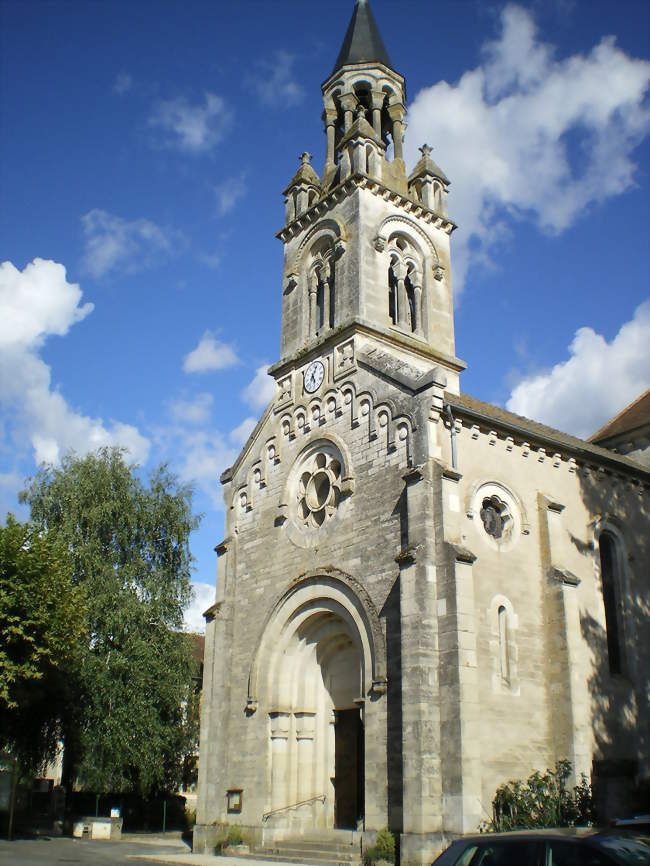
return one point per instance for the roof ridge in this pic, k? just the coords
(612, 421)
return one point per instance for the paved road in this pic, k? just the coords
(78, 852)
(128, 852)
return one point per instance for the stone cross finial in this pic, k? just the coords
(425, 150)
(305, 157)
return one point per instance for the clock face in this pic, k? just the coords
(314, 375)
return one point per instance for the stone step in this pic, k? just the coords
(305, 857)
(334, 848)
(318, 851)
(306, 854)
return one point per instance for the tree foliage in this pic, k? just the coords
(42, 622)
(543, 800)
(129, 546)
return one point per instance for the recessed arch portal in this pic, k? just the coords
(320, 655)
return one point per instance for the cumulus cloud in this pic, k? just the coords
(240, 434)
(191, 128)
(210, 354)
(203, 597)
(276, 84)
(35, 303)
(528, 135)
(112, 242)
(260, 390)
(229, 193)
(597, 381)
(196, 411)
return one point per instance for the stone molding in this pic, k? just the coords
(331, 584)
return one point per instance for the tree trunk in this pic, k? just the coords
(12, 797)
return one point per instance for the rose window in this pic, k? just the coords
(319, 489)
(496, 517)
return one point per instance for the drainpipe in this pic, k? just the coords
(452, 427)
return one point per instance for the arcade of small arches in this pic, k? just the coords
(379, 98)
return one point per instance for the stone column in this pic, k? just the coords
(569, 700)
(313, 291)
(348, 103)
(305, 730)
(324, 276)
(396, 113)
(377, 102)
(279, 759)
(417, 305)
(421, 744)
(330, 308)
(329, 117)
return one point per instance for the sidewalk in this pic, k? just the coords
(204, 860)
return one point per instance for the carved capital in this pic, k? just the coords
(380, 243)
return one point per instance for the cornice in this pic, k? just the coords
(346, 188)
(357, 325)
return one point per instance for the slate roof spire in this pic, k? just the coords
(363, 42)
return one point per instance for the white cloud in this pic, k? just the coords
(240, 434)
(210, 354)
(203, 597)
(35, 303)
(260, 390)
(276, 85)
(123, 83)
(597, 381)
(113, 242)
(196, 411)
(191, 128)
(229, 193)
(527, 134)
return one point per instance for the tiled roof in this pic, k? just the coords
(541, 433)
(634, 417)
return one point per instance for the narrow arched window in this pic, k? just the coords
(611, 597)
(502, 615)
(320, 305)
(392, 296)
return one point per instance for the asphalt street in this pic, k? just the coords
(77, 852)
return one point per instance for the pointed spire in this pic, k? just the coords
(363, 42)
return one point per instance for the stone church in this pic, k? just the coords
(419, 595)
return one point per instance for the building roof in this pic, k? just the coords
(363, 42)
(634, 417)
(541, 433)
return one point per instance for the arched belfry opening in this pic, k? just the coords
(315, 667)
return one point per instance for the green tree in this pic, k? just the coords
(129, 544)
(42, 621)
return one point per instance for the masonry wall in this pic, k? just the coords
(558, 699)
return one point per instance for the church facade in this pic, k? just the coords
(419, 595)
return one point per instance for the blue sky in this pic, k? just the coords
(144, 148)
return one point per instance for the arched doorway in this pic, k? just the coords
(316, 724)
(314, 668)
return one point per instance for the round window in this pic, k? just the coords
(319, 486)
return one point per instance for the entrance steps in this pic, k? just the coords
(342, 849)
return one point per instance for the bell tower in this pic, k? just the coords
(366, 246)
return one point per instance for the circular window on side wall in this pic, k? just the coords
(317, 485)
(497, 514)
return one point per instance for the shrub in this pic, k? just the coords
(543, 800)
(383, 849)
(228, 836)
